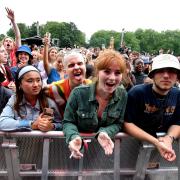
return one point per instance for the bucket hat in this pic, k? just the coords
(26, 49)
(164, 61)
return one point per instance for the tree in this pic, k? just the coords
(23, 29)
(2, 37)
(67, 33)
(170, 41)
(131, 41)
(103, 37)
(148, 40)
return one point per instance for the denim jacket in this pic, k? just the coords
(81, 112)
(10, 120)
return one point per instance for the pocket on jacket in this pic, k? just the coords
(112, 117)
(87, 121)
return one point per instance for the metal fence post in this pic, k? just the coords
(12, 158)
(142, 161)
(45, 160)
(117, 159)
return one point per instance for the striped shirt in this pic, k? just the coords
(60, 91)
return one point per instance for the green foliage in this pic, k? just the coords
(131, 41)
(69, 36)
(103, 37)
(2, 37)
(67, 33)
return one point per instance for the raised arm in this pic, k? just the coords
(11, 16)
(46, 42)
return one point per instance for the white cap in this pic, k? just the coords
(164, 61)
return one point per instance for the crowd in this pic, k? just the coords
(100, 91)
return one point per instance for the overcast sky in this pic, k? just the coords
(92, 15)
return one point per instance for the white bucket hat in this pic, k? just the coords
(164, 61)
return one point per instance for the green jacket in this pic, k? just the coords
(81, 113)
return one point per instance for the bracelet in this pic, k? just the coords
(171, 137)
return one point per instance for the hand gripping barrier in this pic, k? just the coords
(38, 155)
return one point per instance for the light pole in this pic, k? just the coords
(37, 28)
(122, 36)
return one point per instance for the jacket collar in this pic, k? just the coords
(24, 102)
(116, 95)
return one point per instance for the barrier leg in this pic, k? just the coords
(7, 152)
(15, 159)
(142, 161)
(80, 176)
(45, 160)
(117, 159)
(12, 158)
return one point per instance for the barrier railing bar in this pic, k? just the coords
(123, 171)
(3, 173)
(51, 134)
(172, 170)
(34, 133)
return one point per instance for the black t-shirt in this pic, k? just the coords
(151, 112)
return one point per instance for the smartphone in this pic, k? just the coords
(48, 112)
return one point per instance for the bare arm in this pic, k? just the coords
(138, 133)
(174, 131)
(164, 149)
(47, 67)
(172, 134)
(11, 16)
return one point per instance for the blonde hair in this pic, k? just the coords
(71, 55)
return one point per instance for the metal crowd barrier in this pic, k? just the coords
(37, 155)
